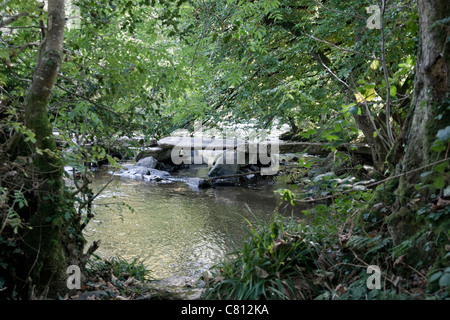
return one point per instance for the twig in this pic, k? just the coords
(27, 27)
(362, 98)
(338, 47)
(339, 11)
(98, 193)
(87, 99)
(17, 16)
(92, 248)
(417, 271)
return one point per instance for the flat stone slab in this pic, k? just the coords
(313, 148)
(195, 143)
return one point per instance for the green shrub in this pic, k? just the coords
(269, 265)
(120, 268)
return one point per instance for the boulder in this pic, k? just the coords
(198, 183)
(222, 168)
(148, 162)
(158, 153)
(138, 172)
(134, 171)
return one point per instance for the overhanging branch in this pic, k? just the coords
(16, 17)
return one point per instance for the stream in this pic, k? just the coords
(175, 228)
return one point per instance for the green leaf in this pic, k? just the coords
(359, 188)
(332, 137)
(287, 195)
(425, 174)
(393, 91)
(447, 191)
(443, 134)
(375, 64)
(435, 276)
(338, 127)
(354, 110)
(227, 38)
(444, 281)
(440, 167)
(439, 182)
(438, 146)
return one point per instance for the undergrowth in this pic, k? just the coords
(286, 260)
(337, 251)
(115, 278)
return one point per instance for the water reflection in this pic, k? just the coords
(175, 228)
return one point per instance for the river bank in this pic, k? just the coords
(261, 200)
(177, 245)
(324, 257)
(304, 231)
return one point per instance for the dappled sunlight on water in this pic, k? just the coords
(175, 228)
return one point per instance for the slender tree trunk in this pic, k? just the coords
(378, 149)
(431, 96)
(46, 257)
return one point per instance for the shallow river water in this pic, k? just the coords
(175, 228)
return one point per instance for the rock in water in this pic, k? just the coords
(158, 153)
(148, 162)
(222, 168)
(140, 172)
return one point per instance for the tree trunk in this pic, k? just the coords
(431, 90)
(45, 252)
(377, 147)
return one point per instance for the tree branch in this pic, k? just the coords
(4, 3)
(86, 99)
(338, 47)
(17, 16)
(362, 99)
(341, 12)
(372, 184)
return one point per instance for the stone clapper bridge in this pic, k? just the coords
(231, 160)
(245, 161)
